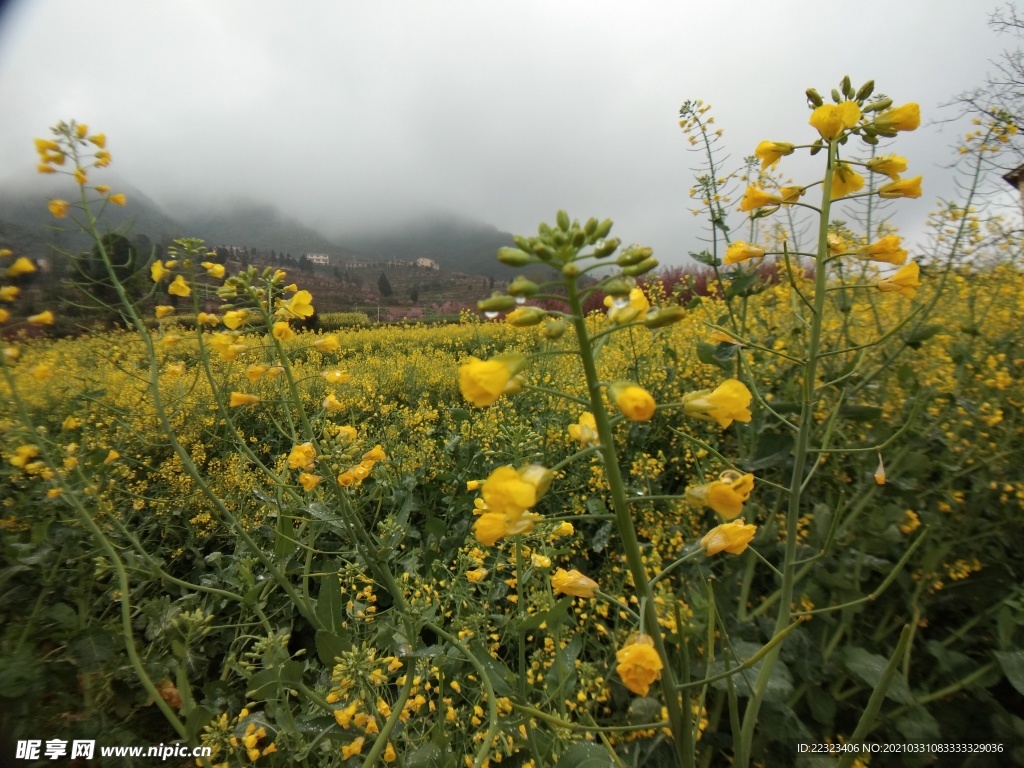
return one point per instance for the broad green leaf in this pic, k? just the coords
(585, 755)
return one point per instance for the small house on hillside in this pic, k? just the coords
(318, 258)
(427, 263)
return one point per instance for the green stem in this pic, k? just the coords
(627, 532)
(800, 452)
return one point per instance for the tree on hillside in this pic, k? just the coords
(384, 286)
(1002, 94)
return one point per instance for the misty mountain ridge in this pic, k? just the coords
(457, 244)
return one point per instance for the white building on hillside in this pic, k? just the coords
(318, 258)
(427, 263)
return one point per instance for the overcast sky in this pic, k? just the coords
(348, 113)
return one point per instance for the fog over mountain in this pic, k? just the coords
(347, 117)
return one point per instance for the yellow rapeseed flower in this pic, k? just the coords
(639, 664)
(58, 208)
(830, 120)
(327, 344)
(300, 305)
(22, 266)
(213, 269)
(904, 118)
(890, 165)
(741, 251)
(572, 583)
(880, 472)
(728, 403)
(484, 381)
(282, 331)
(755, 197)
(308, 481)
(336, 376)
(99, 139)
(43, 318)
(901, 188)
(112, 456)
(102, 188)
(81, 130)
(179, 287)
(635, 402)
(477, 575)
(23, 455)
(638, 305)
(255, 372)
(770, 152)
(163, 310)
(41, 372)
(118, 199)
(904, 281)
(302, 456)
(46, 145)
(207, 319)
(240, 398)
(726, 495)
(331, 403)
(235, 318)
(4, 315)
(158, 272)
(731, 537)
(845, 181)
(886, 250)
(585, 430)
(80, 177)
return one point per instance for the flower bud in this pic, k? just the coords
(553, 328)
(496, 303)
(634, 254)
(603, 229)
(865, 90)
(523, 287)
(619, 286)
(847, 87)
(659, 318)
(544, 251)
(590, 227)
(523, 242)
(523, 317)
(538, 476)
(562, 219)
(642, 268)
(836, 97)
(607, 247)
(875, 106)
(814, 97)
(571, 270)
(514, 257)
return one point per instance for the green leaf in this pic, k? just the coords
(869, 668)
(498, 674)
(459, 414)
(553, 617)
(780, 684)
(328, 603)
(916, 337)
(427, 756)
(743, 284)
(93, 648)
(329, 646)
(1012, 663)
(705, 257)
(773, 450)
(706, 354)
(585, 755)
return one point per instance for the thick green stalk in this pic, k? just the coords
(682, 737)
(800, 453)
